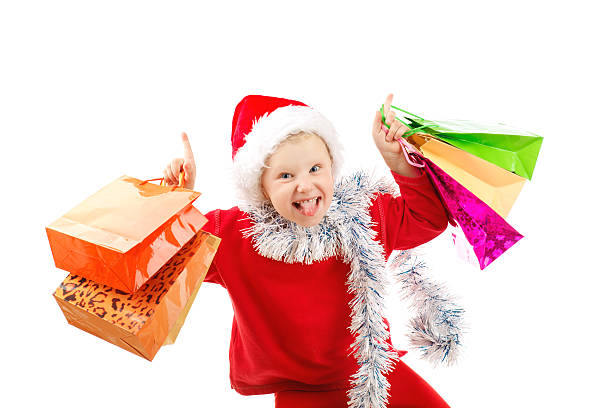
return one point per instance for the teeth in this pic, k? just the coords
(306, 201)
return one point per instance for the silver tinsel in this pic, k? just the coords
(345, 231)
(436, 328)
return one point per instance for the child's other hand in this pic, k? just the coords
(386, 140)
(187, 164)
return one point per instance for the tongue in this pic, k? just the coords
(308, 207)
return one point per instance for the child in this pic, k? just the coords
(302, 259)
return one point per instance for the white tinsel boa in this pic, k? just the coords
(345, 231)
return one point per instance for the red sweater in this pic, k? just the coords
(290, 328)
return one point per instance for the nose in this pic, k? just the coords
(304, 185)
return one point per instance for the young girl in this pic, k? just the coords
(302, 258)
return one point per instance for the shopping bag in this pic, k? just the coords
(178, 324)
(497, 187)
(140, 322)
(123, 234)
(512, 149)
(487, 233)
(480, 234)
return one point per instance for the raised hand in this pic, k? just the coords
(386, 140)
(186, 164)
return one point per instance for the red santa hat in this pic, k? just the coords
(260, 124)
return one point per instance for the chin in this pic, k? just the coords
(309, 223)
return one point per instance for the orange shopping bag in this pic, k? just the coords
(124, 233)
(496, 186)
(152, 316)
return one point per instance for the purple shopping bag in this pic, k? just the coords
(486, 232)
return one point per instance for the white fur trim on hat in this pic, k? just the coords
(265, 136)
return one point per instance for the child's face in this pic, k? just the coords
(298, 180)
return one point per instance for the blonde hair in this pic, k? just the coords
(299, 136)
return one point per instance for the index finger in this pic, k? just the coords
(187, 147)
(388, 104)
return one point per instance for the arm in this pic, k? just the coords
(171, 177)
(417, 216)
(412, 219)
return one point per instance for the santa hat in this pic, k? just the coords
(260, 124)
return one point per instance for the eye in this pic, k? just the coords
(315, 168)
(284, 175)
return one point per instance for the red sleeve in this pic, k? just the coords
(414, 218)
(212, 226)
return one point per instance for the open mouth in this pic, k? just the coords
(308, 207)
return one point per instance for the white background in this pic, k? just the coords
(93, 90)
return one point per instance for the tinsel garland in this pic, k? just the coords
(436, 328)
(344, 231)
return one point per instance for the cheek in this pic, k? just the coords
(279, 195)
(269, 190)
(329, 185)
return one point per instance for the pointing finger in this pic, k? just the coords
(187, 147)
(388, 107)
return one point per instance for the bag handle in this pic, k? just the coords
(181, 183)
(410, 114)
(412, 154)
(411, 131)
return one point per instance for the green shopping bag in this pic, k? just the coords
(509, 148)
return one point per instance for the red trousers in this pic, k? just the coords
(407, 390)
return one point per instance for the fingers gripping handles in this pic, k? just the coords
(181, 183)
